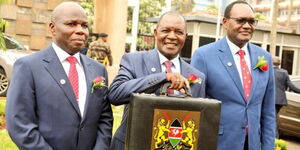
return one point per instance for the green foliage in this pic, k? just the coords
(5, 142)
(183, 6)
(212, 8)
(3, 25)
(2, 107)
(88, 6)
(148, 9)
(260, 16)
(280, 144)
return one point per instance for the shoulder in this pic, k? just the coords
(193, 70)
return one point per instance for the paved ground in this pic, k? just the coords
(293, 143)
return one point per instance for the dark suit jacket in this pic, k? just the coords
(136, 75)
(282, 81)
(42, 112)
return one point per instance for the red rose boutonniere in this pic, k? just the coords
(98, 83)
(262, 64)
(194, 79)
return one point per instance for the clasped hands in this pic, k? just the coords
(177, 82)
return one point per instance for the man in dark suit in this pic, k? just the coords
(247, 91)
(282, 82)
(145, 72)
(52, 101)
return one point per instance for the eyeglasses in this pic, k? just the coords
(242, 21)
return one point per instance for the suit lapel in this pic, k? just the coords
(254, 72)
(152, 62)
(226, 58)
(56, 70)
(88, 71)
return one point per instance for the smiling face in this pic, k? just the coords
(170, 35)
(237, 33)
(69, 27)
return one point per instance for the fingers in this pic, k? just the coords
(177, 81)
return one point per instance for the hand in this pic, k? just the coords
(177, 81)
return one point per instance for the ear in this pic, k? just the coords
(155, 32)
(52, 28)
(224, 22)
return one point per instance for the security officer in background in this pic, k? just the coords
(100, 51)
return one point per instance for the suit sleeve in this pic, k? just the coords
(290, 84)
(127, 82)
(105, 124)
(199, 63)
(268, 113)
(21, 115)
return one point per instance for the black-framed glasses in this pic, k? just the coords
(242, 21)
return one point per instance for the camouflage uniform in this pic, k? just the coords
(98, 50)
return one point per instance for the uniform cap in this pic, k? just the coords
(103, 35)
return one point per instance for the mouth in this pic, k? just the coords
(79, 40)
(171, 45)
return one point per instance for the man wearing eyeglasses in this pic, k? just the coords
(246, 91)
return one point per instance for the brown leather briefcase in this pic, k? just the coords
(172, 123)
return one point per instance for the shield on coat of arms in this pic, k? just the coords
(175, 134)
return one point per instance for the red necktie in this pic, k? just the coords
(73, 75)
(168, 65)
(247, 79)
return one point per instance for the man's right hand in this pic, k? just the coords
(177, 81)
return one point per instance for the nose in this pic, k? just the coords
(172, 35)
(247, 25)
(81, 29)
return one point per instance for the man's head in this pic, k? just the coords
(69, 27)
(103, 36)
(170, 34)
(276, 61)
(239, 22)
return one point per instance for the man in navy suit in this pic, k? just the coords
(145, 72)
(282, 82)
(246, 91)
(52, 103)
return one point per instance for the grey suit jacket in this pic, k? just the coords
(136, 75)
(42, 112)
(282, 81)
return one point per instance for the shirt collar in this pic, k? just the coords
(234, 49)
(175, 60)
(63, 55)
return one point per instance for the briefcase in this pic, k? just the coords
(172, 123)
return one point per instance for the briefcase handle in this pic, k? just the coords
(164, 89)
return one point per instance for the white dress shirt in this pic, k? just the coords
(62, 56)
(234, 51)
(176, 65)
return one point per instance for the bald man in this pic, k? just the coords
(52, 103)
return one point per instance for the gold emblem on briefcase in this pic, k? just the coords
(175, 130)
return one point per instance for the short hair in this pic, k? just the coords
(171, 13)
(276, 60)
(229, 7)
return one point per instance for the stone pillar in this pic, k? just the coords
(111, 18)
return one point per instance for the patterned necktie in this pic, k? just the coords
(73, 75)
(247, 79)
(168, 65)
(246, 76)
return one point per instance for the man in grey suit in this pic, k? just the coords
(52, 101)
(145, 72)
(282, 82)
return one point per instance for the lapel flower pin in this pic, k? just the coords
(98, 83)
(192, 78)
(262, 64)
